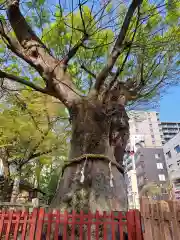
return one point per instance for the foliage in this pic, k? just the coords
(152, 53)
(32, 124)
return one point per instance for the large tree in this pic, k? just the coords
(95, 58)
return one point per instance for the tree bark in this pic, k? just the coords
(4, 158)
(15, 189)
(91, 124)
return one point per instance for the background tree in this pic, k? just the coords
(157, 191)
(32, 140)
(95, 57)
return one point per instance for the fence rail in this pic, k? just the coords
(56, 225)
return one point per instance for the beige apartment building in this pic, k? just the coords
(144, 131)
(146, 125)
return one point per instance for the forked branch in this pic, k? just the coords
(22, 81)
(58, 82)
(118, 47)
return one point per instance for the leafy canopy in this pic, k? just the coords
(154, 51)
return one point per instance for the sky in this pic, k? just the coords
(170, 105)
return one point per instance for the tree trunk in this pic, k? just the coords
(91, 124)
(4, 158)
(15, 189)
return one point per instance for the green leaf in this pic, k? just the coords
(45, 160)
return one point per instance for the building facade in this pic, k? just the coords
(150, 167)
(172, 156)
(144, 133)
(169, 130)
(147, 125)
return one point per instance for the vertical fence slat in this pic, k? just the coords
(147, 218)
(155, 219)
(2, 216)
(172, 206)
(138, 227)
(16, 229)
(105, 218)
(81, 225)
(25, 216)
(39, 224)
(130, 224)
(89, 225)
(73, 225)
(57, 223)
(166, 219)
(178, 216)
(120, 217)
(97, 219)
(33, 224)
(65, 224)
(49, 218)
(113, 226)
(8, 230)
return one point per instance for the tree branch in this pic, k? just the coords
(22, 81)
(13, 45)
(38, 154)
(58, 83)
(88, 71)
(120, 69)
(118, 45)
(74, 50)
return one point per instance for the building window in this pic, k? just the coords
(177, 149)
(159, 165)
(178, 162)
(168, 154)
(157, 156)
(162, 177)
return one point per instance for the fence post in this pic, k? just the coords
(39, 225)
(121, 230)
(25, 215)
(33, 224)
(146, 215)
(138, 226)
(56, 231)
(49, 218)
(73, 225)
(89, 225)
(65, 223)
(2, 222)
(155, 213)
(97, 220)
(165, 220)
(130, 225)
(16, 229)
(173, 210)
(8, 229)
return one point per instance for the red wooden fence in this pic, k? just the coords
(28, 226)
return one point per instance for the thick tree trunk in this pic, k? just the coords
(91, 124)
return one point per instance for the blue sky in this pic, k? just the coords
(170, 105)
